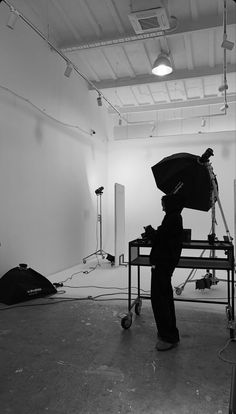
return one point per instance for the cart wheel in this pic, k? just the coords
(178, 290)
(228, 313)
(126, 321)
(138, 307)
(232, 333)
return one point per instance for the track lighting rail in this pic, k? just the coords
(61, 54)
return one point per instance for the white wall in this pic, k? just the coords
(48, 172)
(130, 164)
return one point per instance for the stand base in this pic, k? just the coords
(97, 253)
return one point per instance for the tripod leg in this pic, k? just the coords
(215, 192)
(90, 255)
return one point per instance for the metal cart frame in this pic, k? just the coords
(138, 259)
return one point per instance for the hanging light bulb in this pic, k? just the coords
(162, 65)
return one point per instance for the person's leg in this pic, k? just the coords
(163, 304)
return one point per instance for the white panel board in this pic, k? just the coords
(119, 222)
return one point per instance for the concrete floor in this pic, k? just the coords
(73, 357)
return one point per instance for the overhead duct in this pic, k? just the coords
(151, 20)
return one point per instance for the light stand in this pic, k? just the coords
(100, 251)
(204, 159)
(215, 196)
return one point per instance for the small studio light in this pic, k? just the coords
(162, 65)
(99, 100)
(12, 19)
(203, 123)
(68, 70)
(227, 44)
(223, 87)
(224, 107)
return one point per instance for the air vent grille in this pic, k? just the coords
(151, 20)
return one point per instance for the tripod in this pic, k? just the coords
(204, 159)
(100, 251)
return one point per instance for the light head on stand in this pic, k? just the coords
(207, 154)
(99, 190)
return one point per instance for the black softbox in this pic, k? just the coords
(22, 283)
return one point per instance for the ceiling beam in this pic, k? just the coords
(186, 26)
(197, 72)
(176, 105)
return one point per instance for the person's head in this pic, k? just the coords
(172, 202)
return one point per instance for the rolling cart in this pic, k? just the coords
(136, 258)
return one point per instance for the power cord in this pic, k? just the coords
(223, 349)
(85, 272)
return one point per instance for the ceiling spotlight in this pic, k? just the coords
(12, 19)
(68, 70)
(99, 100)
(223, 87)
(162, 65)
(224, 107)
(226, 44)
(203, 123)
(120, 121)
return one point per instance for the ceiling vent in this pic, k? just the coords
(151, 20)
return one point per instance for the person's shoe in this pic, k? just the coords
(165, 346)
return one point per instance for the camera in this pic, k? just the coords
(148, 233)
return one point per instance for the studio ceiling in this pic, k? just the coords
(98, 38)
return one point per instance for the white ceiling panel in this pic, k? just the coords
(98, 38)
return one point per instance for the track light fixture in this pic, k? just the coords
(227, 44)
(203, 123)
(68, 70)
(223, 87)
(14, 14)
(224, 107)
(12, 18)
(162, 65)
(99, 100)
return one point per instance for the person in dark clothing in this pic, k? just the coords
(164, 256)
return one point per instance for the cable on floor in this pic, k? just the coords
(220, 352)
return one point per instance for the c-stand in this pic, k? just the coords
(100, 251)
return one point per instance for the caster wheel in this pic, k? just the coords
(138, 307)
(178, 291)
(126, 322)
(228, 313)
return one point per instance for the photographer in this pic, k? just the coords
(164, 256)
